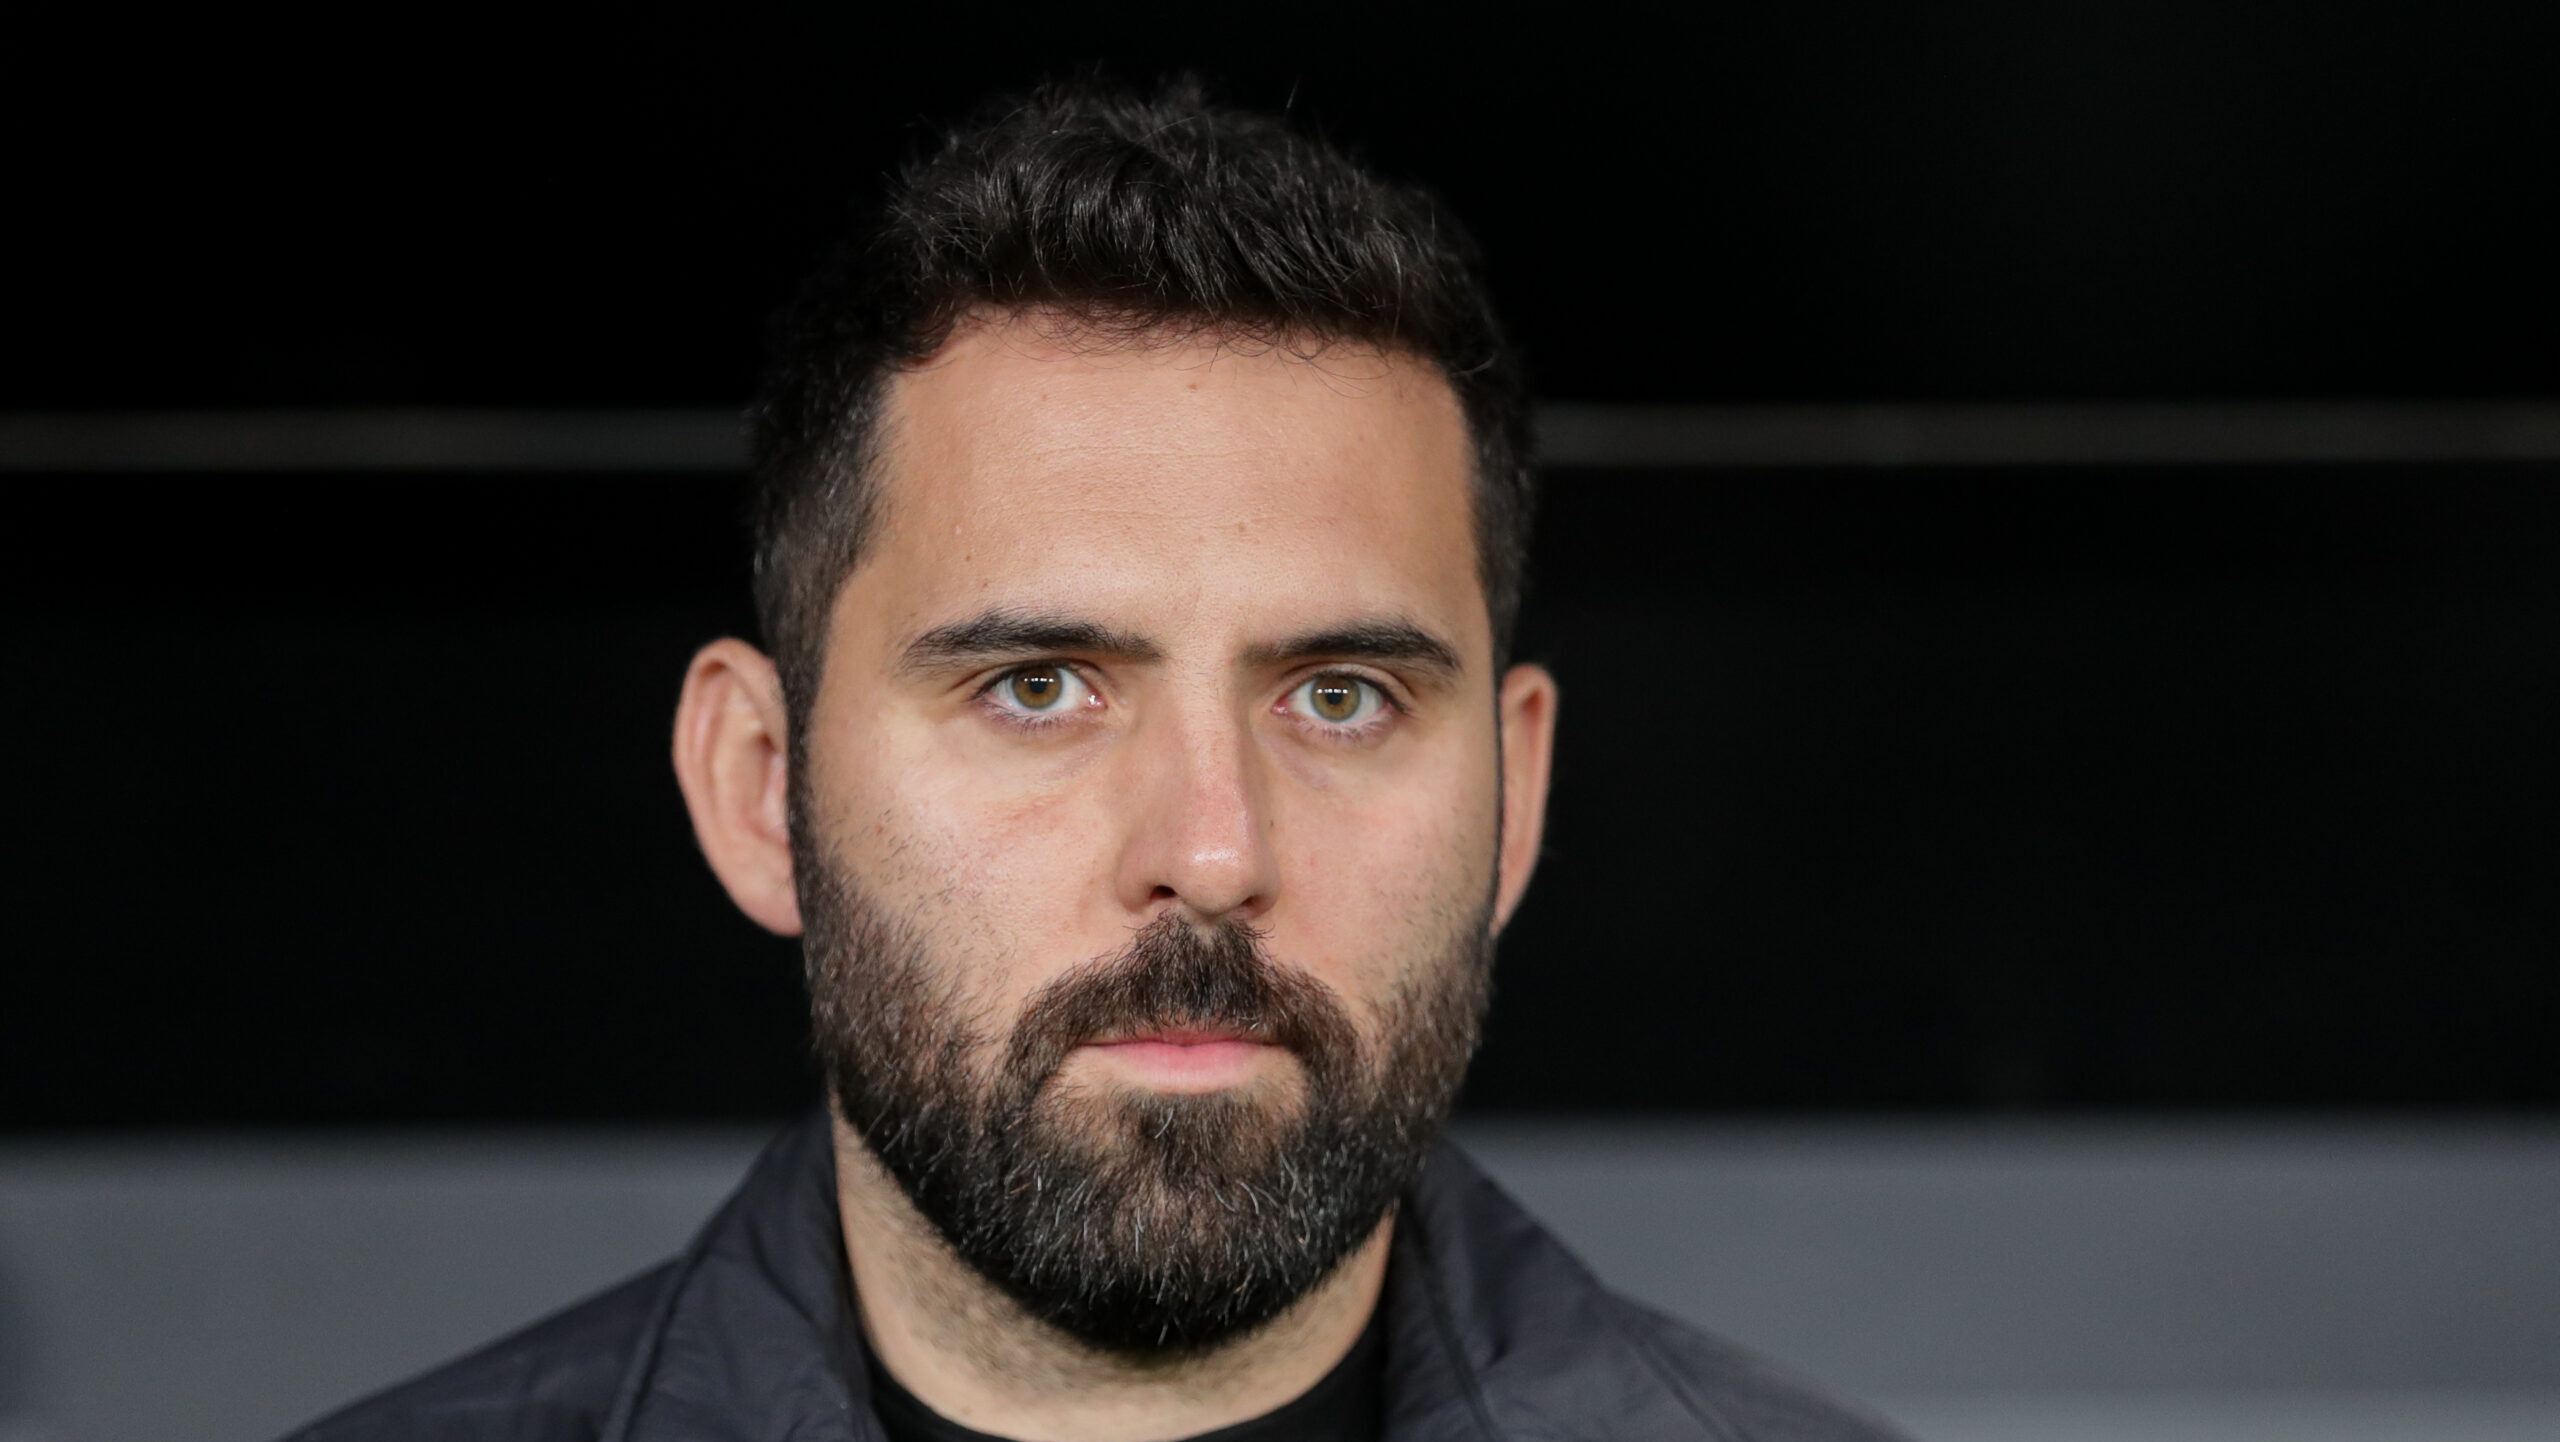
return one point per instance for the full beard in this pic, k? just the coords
(1136, 1221)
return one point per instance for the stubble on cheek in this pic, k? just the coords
(1375, 921)
(971, 889)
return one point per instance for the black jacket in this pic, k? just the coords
(1495, 1334)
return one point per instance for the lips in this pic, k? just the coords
(1185, 1059)
(1186, 1036)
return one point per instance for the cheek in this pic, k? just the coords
(996, 877)
(1374, 886)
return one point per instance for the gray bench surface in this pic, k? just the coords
(2170, 1281)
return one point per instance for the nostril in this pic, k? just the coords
(1161, 893)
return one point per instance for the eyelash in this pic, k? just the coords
(1391, 707)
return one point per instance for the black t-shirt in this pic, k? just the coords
(1346, 1406)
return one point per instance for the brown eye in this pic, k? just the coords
(1338, 699)
(1037, 688)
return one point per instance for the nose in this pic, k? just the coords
(1197, 820)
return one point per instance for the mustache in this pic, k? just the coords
(1175, 976)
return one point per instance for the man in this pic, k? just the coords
(1143, 499)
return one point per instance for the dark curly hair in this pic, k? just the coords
(1125, 213)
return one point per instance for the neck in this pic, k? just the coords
(971, 1353)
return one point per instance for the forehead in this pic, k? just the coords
(1261, 481)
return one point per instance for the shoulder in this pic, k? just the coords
(1554, 1353)
(553, 1381)
(1738, 1391)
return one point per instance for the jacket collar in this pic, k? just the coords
(754, 1337)
(1495, 1333)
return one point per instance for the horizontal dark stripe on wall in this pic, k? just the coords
(1615, 436)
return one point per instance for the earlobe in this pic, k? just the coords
(1528, 710)
(732, 755)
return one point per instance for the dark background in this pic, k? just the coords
(342, 798)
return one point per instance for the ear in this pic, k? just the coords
(1528, 709)
(732, 756)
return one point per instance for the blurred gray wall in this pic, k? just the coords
(1991, 1281)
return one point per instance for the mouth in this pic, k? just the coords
(1186, 1059)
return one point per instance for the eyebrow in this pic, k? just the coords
(997, 634)
(1394, 642)
(1000, 633)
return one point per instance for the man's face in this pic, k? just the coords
(1149, 808)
